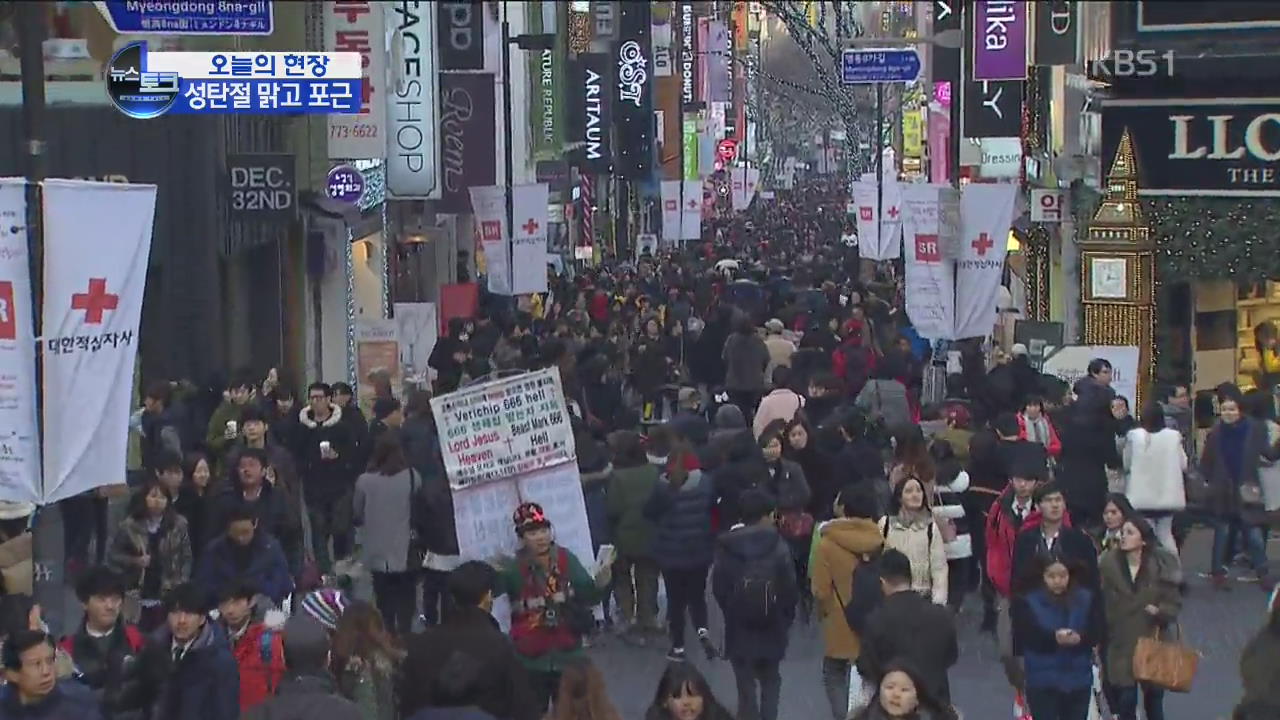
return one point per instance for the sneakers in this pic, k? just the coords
(675, 654)
(1221, 582)
(704, 639)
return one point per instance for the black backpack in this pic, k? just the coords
(867, 593)
(755, 596)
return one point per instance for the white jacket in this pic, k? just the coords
(922, 544)
(1154, 465)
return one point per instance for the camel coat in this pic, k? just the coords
(835, 557)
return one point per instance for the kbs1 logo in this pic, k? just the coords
(1132, 64)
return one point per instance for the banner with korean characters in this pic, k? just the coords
(930, 276)
(20, 462)
(529, 239)
(97, 245)
(358, 27)
(502, 428)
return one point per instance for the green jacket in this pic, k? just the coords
(511, 583)
(628, 492)
(215, 437)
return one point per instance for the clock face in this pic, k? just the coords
(1109, 278)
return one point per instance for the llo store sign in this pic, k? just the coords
(1209, 146)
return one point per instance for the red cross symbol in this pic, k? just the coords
(693, 203)
(893, 213)
(530, 226)
(983, 244)
(95, 302)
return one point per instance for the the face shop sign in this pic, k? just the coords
(1210, 146)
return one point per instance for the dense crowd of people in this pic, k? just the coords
(753, 429)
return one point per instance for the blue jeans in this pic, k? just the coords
(1054, 704)
(1255, 545)
(1124, 702)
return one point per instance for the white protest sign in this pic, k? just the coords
(503, 428)
(1071, 363)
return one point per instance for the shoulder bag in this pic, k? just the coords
(1167, 665)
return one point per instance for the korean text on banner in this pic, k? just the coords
(691, 211)
(377, 360)
(671, 210)
(1071, 363)
(930, 288)
(529, 242)
(97, 243)
(986, 212)
(489, 205)
(358, 27)
(503, 428)
(482, 515)
(20, 464)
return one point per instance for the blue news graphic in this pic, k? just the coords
(143, 85)
(191, 17)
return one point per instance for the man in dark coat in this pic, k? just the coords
(910, 627)
(186, 669)
(33, 691)
(1089, 446)
(754, 582)
(244, 553)
(328, 456)
(308, 691)
(104, 644)
(467, 661)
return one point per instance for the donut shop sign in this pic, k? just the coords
(1000, 40)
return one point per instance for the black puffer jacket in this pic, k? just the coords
(743, 469)
(683, 537)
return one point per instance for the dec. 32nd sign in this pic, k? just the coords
(261, 187)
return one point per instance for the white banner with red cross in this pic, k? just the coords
(529, 241)
(20, 461)
(878, 238)
(97, 241)
(671, 212)
(986, 213)
(691, 211)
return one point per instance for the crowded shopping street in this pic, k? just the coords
(597, 360)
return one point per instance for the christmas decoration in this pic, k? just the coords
(1215, 237)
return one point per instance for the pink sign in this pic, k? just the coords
(939, 146)
(942, 93)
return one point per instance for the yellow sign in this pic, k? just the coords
(811, 13)
(912, 134)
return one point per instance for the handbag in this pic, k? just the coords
(795, 524)
(1167, 665)
(1250, 494)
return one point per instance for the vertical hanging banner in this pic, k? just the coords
(717, 55)
(97, 244)
(529, 239)
(688, 53)
(661, 39)
(359, 27)
(930, 284)
(689, 137)
(986, 213)
(19, 439)
(633, 92)
(912, 133)
(1000, 40)
(670, 211)
(691, 211)
(743, 185)
(546, 71)
(460, 28)
(939, 144)
(878, 237)
(413, 150)
(594, 83)
(468, 154)
(1057, 32)
(489, 205)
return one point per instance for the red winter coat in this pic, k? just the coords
(1002, 533)
(259, 677)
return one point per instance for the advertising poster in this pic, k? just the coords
(377, 361)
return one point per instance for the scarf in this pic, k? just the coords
(1038, 430)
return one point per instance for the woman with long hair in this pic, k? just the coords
(1140, 593)
(902, 694)
(911, 457)
(364, 658)
(684, 694)
(787, 485)
(582, 694)
(911, 529)
(1155, 463)
(1059, 629)
(1116, 510)
(192, 500)
(152, 551)
(382, 505)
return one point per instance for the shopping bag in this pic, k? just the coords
(860, 692)
(1020, 709)
(1167, 665)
